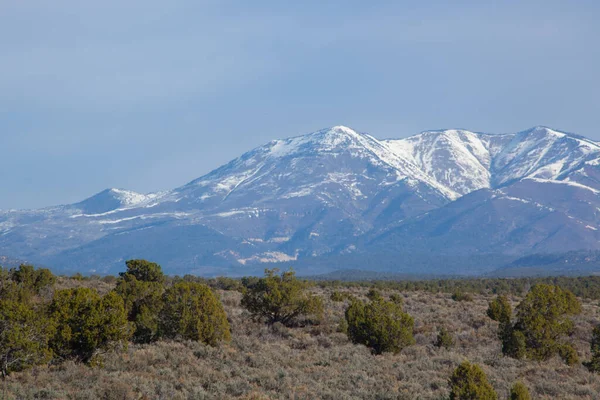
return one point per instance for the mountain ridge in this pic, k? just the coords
(336, 191)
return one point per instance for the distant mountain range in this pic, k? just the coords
(441, 202)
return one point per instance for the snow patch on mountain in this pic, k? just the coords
(268, 257)
(457, 159)
(465, 161)
(541, 152)
(129, 198)
(564, 182)
(326, 140)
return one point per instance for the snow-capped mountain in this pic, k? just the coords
(335, 192)
(464, 161)
(112, 199)
(459, 160)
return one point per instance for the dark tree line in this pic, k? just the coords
(585, 287)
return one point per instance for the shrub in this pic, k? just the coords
(87, 324)
(396, 298)
(225, 283)
(444, 339)
(342, 326)
(373, 294)
(381, 325)
(144, 271)
(543, 319)
(249, 281)
(513, 343)
(143, 302)
(29, 277)
(281, 298)
(10, 290)
(519, 392)
(594, 364)
(337, 296)
(141, 287)
(23, 283)
(500, 310)
(77, 276)
(469, 382)
(23, 337)
(192, 311)
(461, 296)
(568, 353)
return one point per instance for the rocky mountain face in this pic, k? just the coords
(340, 196)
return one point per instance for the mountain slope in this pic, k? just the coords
(458, 159)
(528, 217)
(112, 199)
(291, 198)
(464, 161)
(541, 152)
(337, 194)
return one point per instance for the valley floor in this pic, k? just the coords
(317, 362)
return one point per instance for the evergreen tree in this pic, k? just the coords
(192, 311)
(281, 298)
(543, 319)
(144, 271)
(379, 324)
(23, 337)
(87, 324)
(23, 283)
(142, 287)
(513, 342)
(542, 322)
(500, 310)
(34, 279)
(594, 364)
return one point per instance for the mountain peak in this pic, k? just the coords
(445, 131)
(541, 130)
(342, 129)
(111, 199)
(329, 139)
(338, 131)
(127, 197)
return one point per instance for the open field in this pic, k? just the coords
(317, 362)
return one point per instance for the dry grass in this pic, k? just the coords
(316, 362)
(69, 283)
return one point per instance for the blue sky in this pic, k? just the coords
(147, 95)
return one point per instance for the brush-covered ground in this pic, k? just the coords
(316, 362)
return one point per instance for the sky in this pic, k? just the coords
(148, 95)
